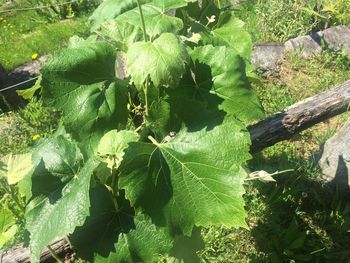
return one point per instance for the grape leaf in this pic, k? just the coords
(227, 80)
(81, 83)
(144, 243)
(110, 9)
(121, 32)
(232, 34)
(115, 236)
(195, 179)
(113, 144)
(56, 216)
(8, 228)
(229, 31)
(16, 167)
(163, 60)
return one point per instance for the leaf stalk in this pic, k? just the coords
(142, 21)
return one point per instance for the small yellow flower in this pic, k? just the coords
(35, 56)
(36, 137)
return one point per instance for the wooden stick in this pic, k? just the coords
(299, 117)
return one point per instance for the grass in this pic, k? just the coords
(280, 20)
(25, 33)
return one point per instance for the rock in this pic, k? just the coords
(4, 78)
(266, 56)
(307, 45)
(336, 38)
(28, 70)
(335, 158)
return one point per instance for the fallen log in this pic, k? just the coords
(21, 254)
(299, 117)
(279, 127)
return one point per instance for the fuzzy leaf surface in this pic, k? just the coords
(113, 145)
(157, 20)
(16, 167)
(110, 9)
(195, 179)
(227, 80)
(57, 215)
(111, 236)
(163, 60)
(8, 227)
(81, 83)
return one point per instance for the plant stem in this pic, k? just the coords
(54, 255)
(146, 97)
(142, 21)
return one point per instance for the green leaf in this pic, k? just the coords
(81, 83)
(142, 244)
(111, 235)
(157, 21)
(16, 167)
(27, 94)
(179, 109)
(8, 227)
(56, 216)
(110, 9)
(227, 80)
(232, 34)
(163, 61)
(229, 31)
(113, 145)
(121, 32)
(196, 179)
(55, 161)
(222, 3)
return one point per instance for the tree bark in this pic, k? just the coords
(279, 127)
(21, 254)
(299, 117)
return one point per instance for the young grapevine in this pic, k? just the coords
(155, 105)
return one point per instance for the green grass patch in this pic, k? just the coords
(47, 39)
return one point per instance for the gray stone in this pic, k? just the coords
(307, 45)
(28, 70)
(335, 158)
(4, 79)
(266, 56)
(336, 38)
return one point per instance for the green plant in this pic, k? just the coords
(59, 9)
(329, 12)
(142, 162)
(275, 20)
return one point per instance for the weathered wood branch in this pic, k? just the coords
(299, 117)
(21, 254)
(279, 127)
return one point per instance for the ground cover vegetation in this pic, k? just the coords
(298, 218)
(39, 31)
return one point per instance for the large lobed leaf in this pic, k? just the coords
(59, 213)
(110, 9)
(8, 227)
(227, 80)
(113, 234)
(162, 60)
(195, 179)
(15, 167)
(127, 27)
(81, 83)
